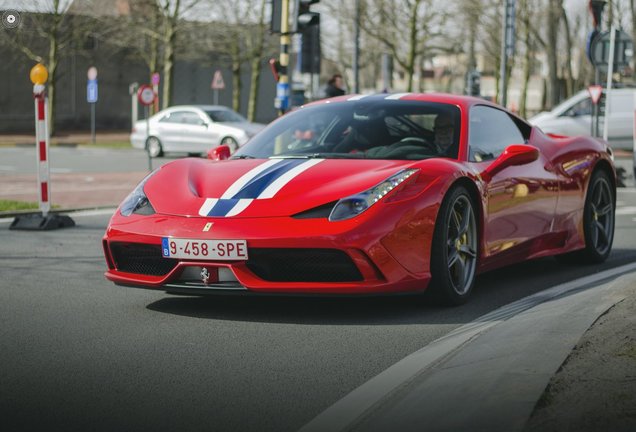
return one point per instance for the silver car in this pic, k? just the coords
(192, 129)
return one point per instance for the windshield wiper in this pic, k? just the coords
(243, 156)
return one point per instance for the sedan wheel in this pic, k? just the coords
(231, 143)
(598, 218)
(454, 252)
(153, 146)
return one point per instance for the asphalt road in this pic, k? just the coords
(78, 353)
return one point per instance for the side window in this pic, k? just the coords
(581, 108)
(191, 118)
(173, 117)
(490, 131)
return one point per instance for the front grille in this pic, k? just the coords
(141, 259)
(302, 265)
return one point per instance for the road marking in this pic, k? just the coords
(628, 210)
(363, 400)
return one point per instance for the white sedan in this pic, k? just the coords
(192, 129)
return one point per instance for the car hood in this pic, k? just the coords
(244, 188)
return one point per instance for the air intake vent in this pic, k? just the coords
(302, 265)
(141, 259)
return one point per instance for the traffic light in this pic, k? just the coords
(304, 18)
(310, 50)
(473, 83)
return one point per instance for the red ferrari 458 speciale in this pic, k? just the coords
(385, 193)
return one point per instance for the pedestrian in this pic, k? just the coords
(334, 86)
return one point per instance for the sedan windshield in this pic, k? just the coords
(364, 129)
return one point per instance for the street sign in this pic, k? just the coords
(146, 95)
(217, 81)
(595, 93)
(91, 91)
(600, 47)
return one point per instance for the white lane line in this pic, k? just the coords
(628, 210)
(353, 407)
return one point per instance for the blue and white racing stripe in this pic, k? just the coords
(261, 182)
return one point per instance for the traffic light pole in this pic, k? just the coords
(282, 89)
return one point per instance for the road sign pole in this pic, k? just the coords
(147, 109)
(216, 97)
(93, 122)
(608, 88)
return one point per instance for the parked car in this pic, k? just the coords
(573, 117)
(364, 195)
(192, 129)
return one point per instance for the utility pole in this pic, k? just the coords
(282, 88)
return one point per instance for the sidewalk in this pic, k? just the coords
(563, 359)
(69, 138)
(73, 190)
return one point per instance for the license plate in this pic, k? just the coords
(204, 249)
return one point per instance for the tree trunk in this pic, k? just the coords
(257, 54)
(52, 69)
(168, 67)
(633, 10)
(236, 76)
(527, 63)
(410, 61)
(569, 76)
(551, 51)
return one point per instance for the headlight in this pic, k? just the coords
(353, 205)
(137, 202)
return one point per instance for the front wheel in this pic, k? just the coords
(598, 218)
(454, 250)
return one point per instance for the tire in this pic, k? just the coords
(598, 219)
(454, 249)
(154, 147)
(231, 143)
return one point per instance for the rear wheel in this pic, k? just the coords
(454, 251)
(231, 143)
(598, 218)
(154, 147)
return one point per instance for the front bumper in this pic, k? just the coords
(370, 248)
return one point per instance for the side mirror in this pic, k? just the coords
(515, 154)
(218, 153)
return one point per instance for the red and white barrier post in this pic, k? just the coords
(42, 144)
(39, 76)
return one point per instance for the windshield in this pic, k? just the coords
(225, 116)
(386, 129)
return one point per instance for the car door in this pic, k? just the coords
(520, 200)
(195, 136)
(169, 130)
(621, 117)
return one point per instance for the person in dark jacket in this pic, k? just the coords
(335, 86)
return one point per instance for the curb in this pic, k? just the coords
(407, 395)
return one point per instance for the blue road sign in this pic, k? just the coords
(91, 91)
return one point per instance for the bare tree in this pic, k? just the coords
(47, 37)
(405, 30)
